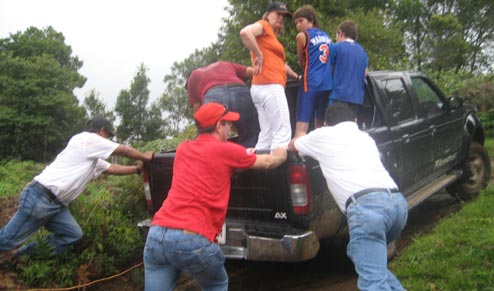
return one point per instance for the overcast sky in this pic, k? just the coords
(113, 37)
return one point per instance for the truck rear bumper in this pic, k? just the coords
(289, 248)
(241, 245)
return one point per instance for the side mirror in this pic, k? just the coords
(455, 102)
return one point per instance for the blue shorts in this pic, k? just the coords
(311, 104)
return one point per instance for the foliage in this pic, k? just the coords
(107, 211)
(457, 255)
(136, 123)
(445, 44)
(14, 176)
(487, 120)
(95, 107)
(164, 145)
(38, 109)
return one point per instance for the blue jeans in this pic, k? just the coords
(35, 210)
(374, 220)
(170, 251)
(238, 99)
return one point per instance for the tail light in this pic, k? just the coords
(299, 189)
(147, 190)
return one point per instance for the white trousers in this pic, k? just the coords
(273, 114)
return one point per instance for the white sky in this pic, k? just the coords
(113, 37)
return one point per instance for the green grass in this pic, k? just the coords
(489, 146)
(458, 255)
(14, 176)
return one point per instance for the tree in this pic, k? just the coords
(447, 47)
(155, 126)
(476, 18)
(38, 110)
(95, 107)
(474, 25)
(136, 123)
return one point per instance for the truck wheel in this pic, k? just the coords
(476, 173)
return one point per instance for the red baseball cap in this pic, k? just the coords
(210, 113)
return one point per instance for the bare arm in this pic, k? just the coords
(115, 169)
(272, 160)
(291, 145)
(290, 73)
(196, 106)
(249, 72)
(248, 35)
(301, 43)
(132, 153)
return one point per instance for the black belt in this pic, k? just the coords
(46, 191)
(367, 191)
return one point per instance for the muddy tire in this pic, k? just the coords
(476, 174)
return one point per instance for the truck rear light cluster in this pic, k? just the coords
(299, 189)
(147, 190)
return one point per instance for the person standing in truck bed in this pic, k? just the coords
(224, 82)
(349, 63)
(375, 209)
(317, 81)
(270, 75)
(184, 231)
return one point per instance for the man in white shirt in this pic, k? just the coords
(363, 189)
(43, 203)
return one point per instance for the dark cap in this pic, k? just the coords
(96, 123)
(210, 113)
(278, 7)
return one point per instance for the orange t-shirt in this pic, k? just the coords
(273, 67)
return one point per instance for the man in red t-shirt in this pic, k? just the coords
(183, 233)
(224, 82)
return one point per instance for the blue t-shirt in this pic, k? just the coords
(349, 61)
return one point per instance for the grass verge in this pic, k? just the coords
(458, 255)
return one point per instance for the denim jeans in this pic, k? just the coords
(237, 98)
(35, 210)
(374, 220)
(170, 251)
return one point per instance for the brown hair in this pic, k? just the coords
(349, 28)
(307, 11)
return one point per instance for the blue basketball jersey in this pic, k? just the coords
(317, 71)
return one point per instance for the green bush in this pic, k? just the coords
(14, 176)
(163, 145)
(487, 120)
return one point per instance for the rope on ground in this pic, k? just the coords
(92, 282)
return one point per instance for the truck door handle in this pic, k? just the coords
(433, 129)
(406, 137)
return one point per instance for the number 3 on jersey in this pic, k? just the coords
(324, 49)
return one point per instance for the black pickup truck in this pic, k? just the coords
(427, 142)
